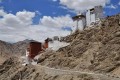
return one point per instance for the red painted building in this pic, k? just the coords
(35, 48)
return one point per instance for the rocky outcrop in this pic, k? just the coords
(96, 49)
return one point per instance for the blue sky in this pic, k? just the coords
(46, 7)
(112, 8)
(43, 7)
(49, 7)
(45, 18)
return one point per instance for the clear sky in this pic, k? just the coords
(39, 19)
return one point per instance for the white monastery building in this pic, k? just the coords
(91, 16)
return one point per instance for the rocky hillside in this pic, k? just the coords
(93, 54)
(94, 49)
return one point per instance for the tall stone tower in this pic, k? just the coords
(94, 14)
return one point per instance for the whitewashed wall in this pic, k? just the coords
(88, 18)
(92, 16)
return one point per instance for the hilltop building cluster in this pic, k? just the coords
(88, 18)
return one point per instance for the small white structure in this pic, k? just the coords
(80, 22)
(92, 15)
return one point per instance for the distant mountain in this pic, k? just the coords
(20, 47)
(5, 48)
(17, 48)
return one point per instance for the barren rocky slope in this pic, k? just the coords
(95, 51)
(11, 69)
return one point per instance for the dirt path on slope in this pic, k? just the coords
(97, 76)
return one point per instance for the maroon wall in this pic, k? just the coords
(35, 48)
